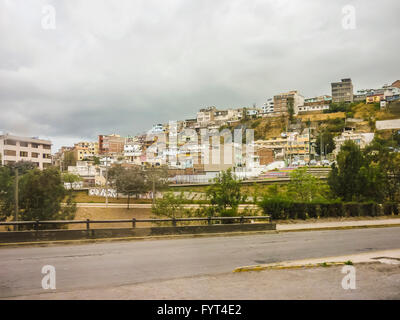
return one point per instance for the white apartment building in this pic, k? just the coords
(133, 152)
(268, 107)
(223, 116)
(14, 149)
(252, 112)
(157, 128)
(320, 107)
(361, 139)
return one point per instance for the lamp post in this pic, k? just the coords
(16, 199)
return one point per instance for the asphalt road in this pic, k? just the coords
(105, 265)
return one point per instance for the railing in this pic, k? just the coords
(174, 221)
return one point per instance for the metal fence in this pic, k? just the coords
(174, 221)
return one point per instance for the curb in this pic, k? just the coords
(341, 228)
(163, 237)
(283, 267)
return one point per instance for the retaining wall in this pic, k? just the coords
(56, 235)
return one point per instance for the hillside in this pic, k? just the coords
(361, 116)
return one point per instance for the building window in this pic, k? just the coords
(12, 153)
(35, 155)
(23, 144)
(35, 145)
(10, 142)
(23, 154)
(46, 156)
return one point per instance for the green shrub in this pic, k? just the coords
(368, 209)
(352, 209)
(312, 210)
(300, 210)
(390, 208)
(324, 210)
(281, 208)
(277, 208)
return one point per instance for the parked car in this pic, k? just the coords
(325, 163)
(302, 163)
(312, 163)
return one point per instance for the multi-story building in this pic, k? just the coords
(316, 104)
(376, 95)
(375, 98)
(396, 84)
(222, 117)
(265, 156)
(291, 146)
(253, 112)
(111, 144)
(281, 102)
(361, 139)
(85, 150)
(314, 108)
(206, 116)
(190, 123)
(268, 107)
(133, 150)
(14, 149)
(342, 91)
(157, 128)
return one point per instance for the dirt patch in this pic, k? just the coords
(111, 214)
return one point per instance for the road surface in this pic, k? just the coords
(106, 265)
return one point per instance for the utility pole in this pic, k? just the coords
(321, 149)
(16, 199)
(106, 180)
(154, 191)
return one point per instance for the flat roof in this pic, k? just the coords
(25, 139)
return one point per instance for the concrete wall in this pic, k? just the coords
(54, 235)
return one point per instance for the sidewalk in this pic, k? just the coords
(375, 279)
(338, 225)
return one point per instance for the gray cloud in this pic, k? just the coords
(123, 66)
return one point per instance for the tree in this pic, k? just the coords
(22, 166)
(114, 174)
(131, 182)
(41, 194)
(171, 206)
(355, 178)
(380, 153)
(304, 186)
(69, 160)
(156, 179)
(71, 179)
(328, 144)
(96, 160)
(225, 193)
(6, 193)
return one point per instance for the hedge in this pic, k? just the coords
(284, 209)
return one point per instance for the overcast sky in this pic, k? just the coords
(121, 66)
